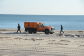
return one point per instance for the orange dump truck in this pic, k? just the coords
(33, 27)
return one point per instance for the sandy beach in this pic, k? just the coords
(71, 43)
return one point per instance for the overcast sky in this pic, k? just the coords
(42, 7)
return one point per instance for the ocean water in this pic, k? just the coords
(69, 22)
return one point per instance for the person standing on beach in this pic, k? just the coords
(18, 28)
(61, 30)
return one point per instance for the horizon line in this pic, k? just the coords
(41, 14)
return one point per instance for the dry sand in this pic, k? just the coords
(71, 43)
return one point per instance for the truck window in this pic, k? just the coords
(41, 25)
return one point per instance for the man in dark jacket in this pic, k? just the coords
(61, 30)
(18, 28)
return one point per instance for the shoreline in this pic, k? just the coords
(24, 29)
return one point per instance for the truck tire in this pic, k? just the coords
(34, 31)
(46, 31)
(30, 31)
(51, 32)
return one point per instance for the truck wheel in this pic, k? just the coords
(30, 31)
(51, 32)
(34, 31)
(46, 31)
